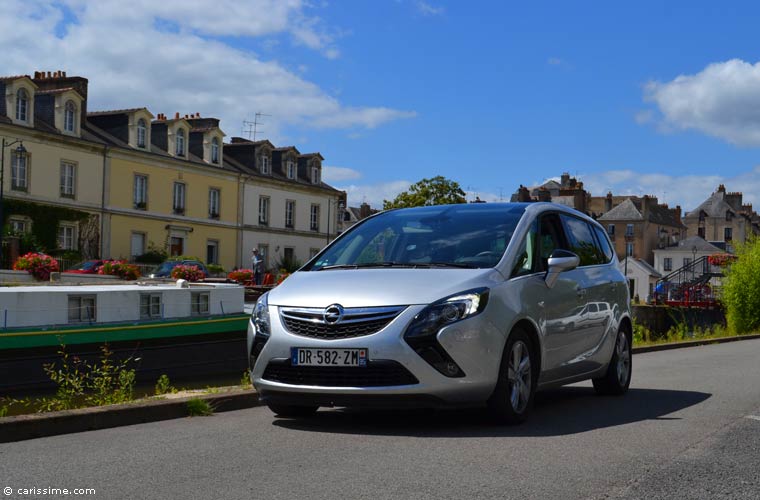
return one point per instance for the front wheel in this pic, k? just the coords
(292, 411)
(617, 379)
(512, 399)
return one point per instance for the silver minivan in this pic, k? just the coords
(470, 304)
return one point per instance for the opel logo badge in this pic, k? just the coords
(333, 314)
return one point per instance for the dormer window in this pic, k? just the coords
(264, 164)
(291, 169)
(215, 150)
(68, 117)
(142, 132)
(315, 175)
(22, 105)
(180, 149)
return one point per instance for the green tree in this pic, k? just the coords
(741, 290)
(436, 191)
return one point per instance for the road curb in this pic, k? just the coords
(693, 343)
(23, 427)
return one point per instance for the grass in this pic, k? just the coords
(642, 336)
(197, 407)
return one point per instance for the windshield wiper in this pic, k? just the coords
(447, 264)
(365, 265)
(410, 265)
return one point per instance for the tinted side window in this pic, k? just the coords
(581, 241)
(550, 238)
(604, 243)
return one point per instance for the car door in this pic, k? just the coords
(593, 289)
(564, 304)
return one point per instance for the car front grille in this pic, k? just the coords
(378, 373)
(355, 322)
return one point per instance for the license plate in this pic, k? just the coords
(309, 356)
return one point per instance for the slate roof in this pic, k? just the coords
(714, 206)
(625, 211)
(656, 214)
(690, 243)
(14, 77)
(114, 111)
(648, 267)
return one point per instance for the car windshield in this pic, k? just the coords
(456, 236)
(166, 267)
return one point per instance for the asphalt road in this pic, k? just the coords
(683, 431)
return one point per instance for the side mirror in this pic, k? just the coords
(559, 262)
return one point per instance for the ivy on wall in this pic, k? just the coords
(45, 219)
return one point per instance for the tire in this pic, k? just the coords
(512, 399)
(617, 379)
(292, 411)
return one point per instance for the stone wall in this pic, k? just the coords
(659, 319)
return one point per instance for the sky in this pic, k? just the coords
(646, 97)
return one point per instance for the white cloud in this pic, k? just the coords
(688, 191)
(165, 56)
(554, 61)
(721, 101)
(331, 174)
(427, 9)
(374, 194)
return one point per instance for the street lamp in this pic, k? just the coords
(20, 152)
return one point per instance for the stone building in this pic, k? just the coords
(723, 218)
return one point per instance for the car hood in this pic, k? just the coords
(377, 287)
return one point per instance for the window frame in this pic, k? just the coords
(315, 175)
(179, 142)
(69, 116)
(153, 308)
(667, 263)
(196, 304)
(215, 150)
(22, 105)
(16, 168)
(179, 195)
(290, 214)
(290, 169)
(215, 245)
(314, 213)
(264, 202)
(142, 133)
(214, 203)
(62, 237)
(140, 202)
(79, 299)
(64, 188)
(728, 233)
(265, 164)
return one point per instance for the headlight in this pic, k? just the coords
(447, 311)
(422, 331)
(261, 328)
(260, 316)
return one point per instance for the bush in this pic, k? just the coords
(189, 273)
(215, 269)
(241, 275)
(741, 290)
(38, 265)
(121, 269)
(154, 255)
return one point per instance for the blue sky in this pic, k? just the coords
(657, 98)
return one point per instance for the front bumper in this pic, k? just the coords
(475, 344)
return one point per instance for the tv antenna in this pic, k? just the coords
(253, 126)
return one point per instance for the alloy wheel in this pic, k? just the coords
(623, 358)
(519, 376)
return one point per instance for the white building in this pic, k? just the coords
(642, 278)
(287, 212)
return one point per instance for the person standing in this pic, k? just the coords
(257, 265)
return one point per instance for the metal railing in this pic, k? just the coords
(696, 284)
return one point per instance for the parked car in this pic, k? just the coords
(455, 304)
(164, 270)
(86, 267)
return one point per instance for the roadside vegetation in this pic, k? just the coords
(80, 384)
(643, 336)
(741, 289)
